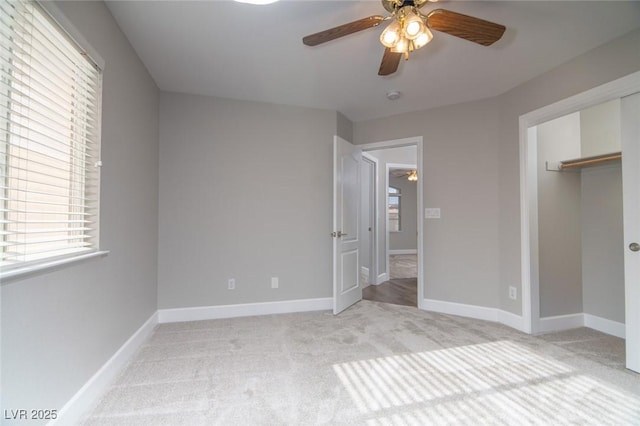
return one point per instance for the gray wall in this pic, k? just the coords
(344, 127)
(407, 237)
(603, 242)
(559, 219)
(59, 328)
(600, 129)
(245, 193)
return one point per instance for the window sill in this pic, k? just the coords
(20, 273)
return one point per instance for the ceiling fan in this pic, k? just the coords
(410, 174)
(409, 30)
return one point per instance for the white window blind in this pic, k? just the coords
(49, 140)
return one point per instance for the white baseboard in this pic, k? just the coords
(461, 309)
(403, 251)
(567, 322)
(475, 312)
(382, 278)
(511, 320)
(559, 323)
(364, 271)
(604, 325)
(545, 325)
(90, 394)
(243, 310)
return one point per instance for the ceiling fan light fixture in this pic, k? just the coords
(391, 35)
(413, 176)
(410, 30)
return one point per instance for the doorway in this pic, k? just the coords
(391, 206)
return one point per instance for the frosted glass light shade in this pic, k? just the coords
(413, 26)
(391, 35)
(402, 46)
(425, 37)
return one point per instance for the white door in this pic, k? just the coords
(346, 214)
(631, 196)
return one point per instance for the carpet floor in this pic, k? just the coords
(374, 364)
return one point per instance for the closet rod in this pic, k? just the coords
(589, 161)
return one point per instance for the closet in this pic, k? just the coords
(580, 229)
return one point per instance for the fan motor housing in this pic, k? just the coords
(392, 5)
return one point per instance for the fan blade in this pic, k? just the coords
(342, 30)
(467, 27)
(390, 62)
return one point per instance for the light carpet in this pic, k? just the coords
(375, 364)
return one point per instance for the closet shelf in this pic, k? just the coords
(578, 163)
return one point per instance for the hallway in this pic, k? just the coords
(401, 288)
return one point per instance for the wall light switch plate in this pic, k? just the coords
(274, 282)
(432, 213)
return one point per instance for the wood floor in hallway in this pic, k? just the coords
(402, 287)
(399, 291)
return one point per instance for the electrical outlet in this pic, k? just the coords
(274, 282)
(232, 284)
(513, 293)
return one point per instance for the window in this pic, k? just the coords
(394, 209)
(49, 140)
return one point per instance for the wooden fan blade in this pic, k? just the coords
(342, 30)
(467, 27)
(390, 62)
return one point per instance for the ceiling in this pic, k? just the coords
(233, 50)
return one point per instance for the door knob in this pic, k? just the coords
(634, 247)
(341, 234)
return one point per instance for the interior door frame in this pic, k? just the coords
(529, 186)
(372, 211)
(416, 141)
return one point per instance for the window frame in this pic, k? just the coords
(398, 195)
(66, 30)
